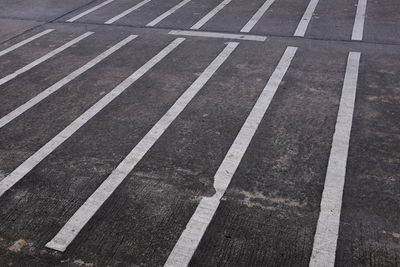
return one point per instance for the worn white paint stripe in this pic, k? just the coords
(198, 223)
(89, 11)
(30, 39)
(49, 147)
(247, 37)
(358, 27)
(210, 15)
(32, 102)
(305, 20)
(44, 58)
(166, 14)
(257, 16)
(75, 224)
(126, 12)
(326, 236)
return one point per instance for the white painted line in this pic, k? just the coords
(44, 58)
(82, 216)
(257, 16)
(305, 20)
(220, 35)
(30, 39)
(195, 229)
(89, 11)
(326, 236)
(166, 14)
(49, 147)
(126, 12)
(358, 27)
(210, 15)
(24, 107)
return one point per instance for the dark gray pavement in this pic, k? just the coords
(269, 214)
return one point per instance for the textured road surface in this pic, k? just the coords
(200, 133)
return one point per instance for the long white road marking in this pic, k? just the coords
(49, 147)
(24, 107)
(326, 236)
(43, 58)
(126, 12)
(89, 11)
(358, 27)
(305, 20)
(166, 14)
(30, 39)
(257, 16)
(210, 14)
(81, 217)
(247, 37)
(195, 229)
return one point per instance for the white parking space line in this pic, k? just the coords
(126, 12)
(75, 224)
(28, 40)
(257, 16)
(24, 107)
(166, 14)
(49, 147)
(195, 229)
(220, 35)
(210, 15)
(44, 58)
(89, 11)
(325, 240)
(358, 27)
(305, 20)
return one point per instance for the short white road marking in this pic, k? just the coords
(75, 224)
(49, 147)
(32, 102)
(30, 39)
(257, 16)
(209, 16)
(166, 14)
(326, 236)
(358, 27)
(126, 12)
(305, 20)
(220, 35)
(89, 11)
(195, 229)
(43, 58)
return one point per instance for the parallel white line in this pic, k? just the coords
(126, 12)
(257, 16)
(198, 223)
(247, 37)
(325, 240)
(305, 20)
(30, 39)
(44, 58)
(210, 14)
(166, 14)
(32, 102)
(49, 147)
(89, 11)
(81, 217)
(358, 27)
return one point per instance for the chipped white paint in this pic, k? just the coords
(257, 16)
(305, 20)
(325, 240)
(89, 11)
(49, 147)
(24, 42)
(210, 15)
(198, 223)
(126, 12)
(358, 27)
(32, 102)
(168, 13)
(44, 58)
(82, 216)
